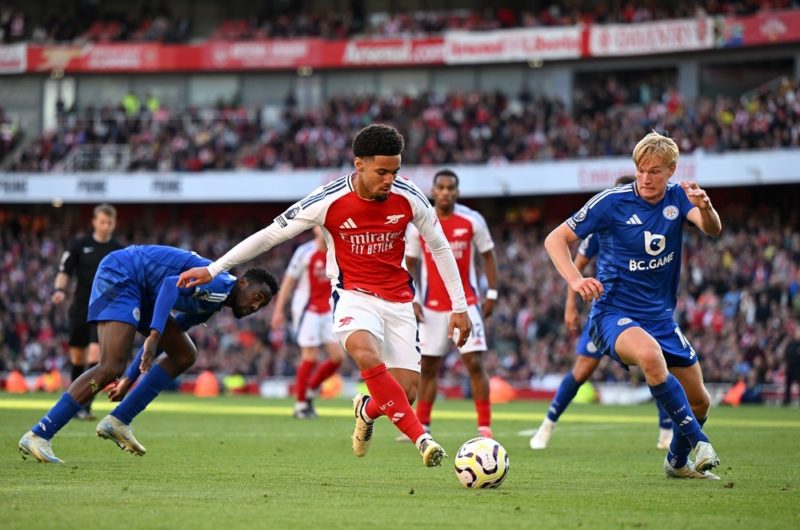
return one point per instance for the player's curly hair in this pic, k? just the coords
(257, 275)
(378, 140)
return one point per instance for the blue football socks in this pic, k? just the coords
(145, 392)
(687, 429)
(664, 421)
(680, 447)
(566, 392)
(58, 416)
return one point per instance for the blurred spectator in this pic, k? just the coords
(527, 332)
(77, 21)
(440, 129)
(791, 356)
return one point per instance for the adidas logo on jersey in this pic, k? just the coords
(348, 224)
(634, 220)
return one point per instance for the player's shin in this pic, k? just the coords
(671, 396)
(389, 399)
(143, 394)
(58, 416)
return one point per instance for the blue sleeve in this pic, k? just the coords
(593, 217)
(683, 202)
(187, 321)
(167, 296)
(133, 372)
(589, 247)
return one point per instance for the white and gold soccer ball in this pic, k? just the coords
(481, 463)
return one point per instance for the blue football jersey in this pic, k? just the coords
(150, 264)
(589, 247)
(639, 264)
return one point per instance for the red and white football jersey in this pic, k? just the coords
(466, 230)
(365, 239)
(313, 290)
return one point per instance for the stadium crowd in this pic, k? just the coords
(740, 299)
(608, 118)
(94, 22)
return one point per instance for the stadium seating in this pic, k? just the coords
(458, 127)
(740, 294)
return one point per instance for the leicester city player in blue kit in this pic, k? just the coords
(588, 356)
(640, 230)
(136, 289)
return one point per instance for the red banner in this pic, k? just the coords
(229, 56)
(514, 45)
(758, 30)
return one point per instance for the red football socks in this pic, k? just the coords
(323, 371)
(390, 400)
(301, 383)
(424, 411)
(484, 412)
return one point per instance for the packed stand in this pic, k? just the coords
(81, 22)
(455, 128)
(740, 298)
(84, 22)
(357, 23)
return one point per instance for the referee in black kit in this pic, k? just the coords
(81, 259)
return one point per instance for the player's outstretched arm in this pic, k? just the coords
(703, 215)
(194, 277)
(557, 246)
(286, 226)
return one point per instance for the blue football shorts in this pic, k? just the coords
(116, 295)
(606, 326)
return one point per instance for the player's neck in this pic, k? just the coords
(360, 189)
(101, 239)
(442, 212)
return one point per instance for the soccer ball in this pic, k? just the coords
(481, 463)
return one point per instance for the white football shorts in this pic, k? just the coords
(392, 323)
(433, 332)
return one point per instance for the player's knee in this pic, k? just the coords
(429, 370)
(700, 403)
(652, 363)
(107, 371)
(473, 363)
(411, 394)
(187, 357)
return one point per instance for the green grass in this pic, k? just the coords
(240, 462)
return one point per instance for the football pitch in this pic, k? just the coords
(243, 462)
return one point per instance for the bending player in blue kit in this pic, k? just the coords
(640, 231)
(135, 289)
(588, 357)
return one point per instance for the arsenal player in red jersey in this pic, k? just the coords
(363, 216)
(468, 235)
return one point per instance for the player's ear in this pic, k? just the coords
(358, 163)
